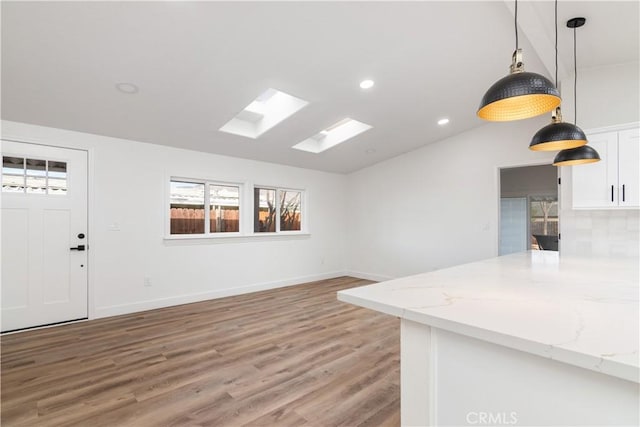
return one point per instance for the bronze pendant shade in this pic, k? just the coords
(519, 95)
(576, 156)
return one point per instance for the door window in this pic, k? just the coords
(33, 176)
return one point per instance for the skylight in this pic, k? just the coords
(267, 110)
(333, 135)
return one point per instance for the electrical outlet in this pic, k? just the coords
(147, 281)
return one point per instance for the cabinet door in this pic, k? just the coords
(595, 185)
(628, 168)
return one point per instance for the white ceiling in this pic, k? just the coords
(197, 64)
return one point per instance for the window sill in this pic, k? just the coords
(196, 239)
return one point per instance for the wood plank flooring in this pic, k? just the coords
(285, 357)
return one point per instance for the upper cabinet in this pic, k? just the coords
(629, 168)
(614, 182)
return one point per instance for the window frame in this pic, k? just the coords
(246, 232)
(278, 190)
(207, 209)
(25, 176)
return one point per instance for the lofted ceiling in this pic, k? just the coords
(198, 64)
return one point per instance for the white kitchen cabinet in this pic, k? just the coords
(614, 182)
(629, 168)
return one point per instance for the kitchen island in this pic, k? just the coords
(524, 339)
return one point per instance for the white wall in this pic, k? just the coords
(436, 206)
(607, 96)
(431, 208)
(529, 181)
(128, 182)
(439, 204)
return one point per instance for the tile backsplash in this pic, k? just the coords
(601, 233)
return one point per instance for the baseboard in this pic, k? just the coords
(116, 310)
(368, 276)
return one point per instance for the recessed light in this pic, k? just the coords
(128, 88)
(443, 122)
(367, 84)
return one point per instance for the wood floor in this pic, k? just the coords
(286, 357)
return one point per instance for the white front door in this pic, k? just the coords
(44, 235)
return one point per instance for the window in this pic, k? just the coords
(56, 177)
(224, 208)
(290, 204)
(264, 215)
(187, 208)
(207, 209)
(272, 203)
(187, 203)
(33, 176)
(544, 222)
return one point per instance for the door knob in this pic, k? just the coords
(78, 248)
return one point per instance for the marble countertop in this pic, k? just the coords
(579, 311)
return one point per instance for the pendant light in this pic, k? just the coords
(584, 154)
(519, 95)
(576, 156)
(557, 135)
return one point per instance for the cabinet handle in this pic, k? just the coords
(623, 192)
(612, 193)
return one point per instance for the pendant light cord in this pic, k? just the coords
(575, 80)
(515, 21)
(556, 22)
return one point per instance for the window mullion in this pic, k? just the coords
(242, 207)
(207, 213)
(46, 177)
(277, 219)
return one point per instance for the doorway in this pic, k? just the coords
(44, 241)
(529, 215)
